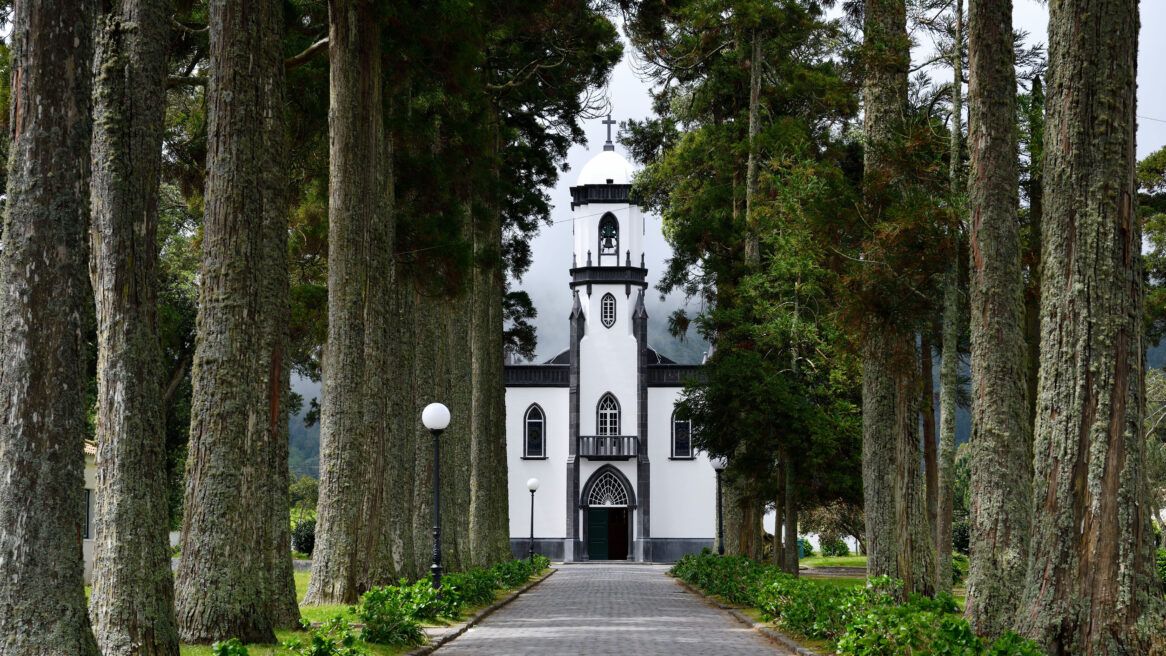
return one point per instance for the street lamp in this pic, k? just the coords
(436, 418)
(532, 485)
(719, 464)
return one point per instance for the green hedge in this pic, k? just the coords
(868, 620)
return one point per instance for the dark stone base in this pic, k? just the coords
(656, 550)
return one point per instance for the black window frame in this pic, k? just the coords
(526, 421)
(691, 452)
(603, 302)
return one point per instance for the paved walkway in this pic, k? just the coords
(610, 609)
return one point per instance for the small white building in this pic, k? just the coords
(596, 424)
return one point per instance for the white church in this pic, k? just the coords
(596, 424)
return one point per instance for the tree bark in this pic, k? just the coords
(927, 406)
(915, 556)
(790, 547)
(779, 517)
(948, 372)
(224, 583)
(359, 255)
(884, 100)
(752, 235)
(43, 298)
(1091, 587)
(132, 601)
(1000, 458)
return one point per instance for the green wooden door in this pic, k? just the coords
(597, 533)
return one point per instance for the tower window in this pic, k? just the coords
(607, 310)
(681, 437)
(609, 237)
(608, 419)
(535, 430)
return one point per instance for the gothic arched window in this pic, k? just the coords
(607, 492)
(681, 437)
(608, 416)
(607, 310)
(609, 237)
(534, 430)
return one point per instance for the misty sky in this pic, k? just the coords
(547, 280)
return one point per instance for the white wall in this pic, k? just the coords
(608, 358)
(684, 492)
(550, 519)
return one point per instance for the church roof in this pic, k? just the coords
(654, 357)
(608, 167)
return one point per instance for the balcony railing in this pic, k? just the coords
(608, 447)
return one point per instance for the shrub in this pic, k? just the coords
(333, 638)
(230, 647)
(832, 545)
(303, 536)
(805, 549)
(1162, 566)
(959, 568)
(386, 621)
(961, 535)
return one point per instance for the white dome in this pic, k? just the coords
(608, 167)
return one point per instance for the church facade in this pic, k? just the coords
(596, 425)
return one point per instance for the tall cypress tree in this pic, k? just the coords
(44, 292)
(225, 581)
(1091, 586)
(132, 603)
(1001, 460)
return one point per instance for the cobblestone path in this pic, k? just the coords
(610, 609)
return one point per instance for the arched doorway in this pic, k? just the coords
(608, 500)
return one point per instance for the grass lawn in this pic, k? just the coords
(833, 561)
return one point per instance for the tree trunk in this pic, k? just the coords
(915, 555)
(878, 457)
(752, 235)
(948, 372)
(779, 517)
(489, 526)
(224, 581)
(132, 601)
(1000, 458)
(359, 241)
(790, 548)
(1032, 256)
(885, 102)
(43, 296)
(1092, 587)
(927, 406)
(948, 390)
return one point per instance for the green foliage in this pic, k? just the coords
(959, 568)
(333, 638)
(870, 620)
(232, 647)
(961, 535)
(805, 549)
(303, 536)
(1161, 560)
(832, 545)
(392, 614)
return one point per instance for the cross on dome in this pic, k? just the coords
(608, 123)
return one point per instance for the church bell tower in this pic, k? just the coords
(608, 352)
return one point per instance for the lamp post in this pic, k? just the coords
(532, 485)
(719, 465)
(436, 418)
